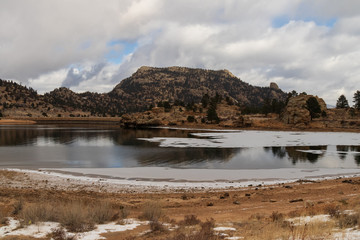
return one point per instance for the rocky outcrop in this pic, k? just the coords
(296, 111)
(274, 86)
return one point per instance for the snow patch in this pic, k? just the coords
(309, 219)
(223, 229)
(40, 230)
(246, 139)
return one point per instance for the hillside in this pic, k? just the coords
(147, 87)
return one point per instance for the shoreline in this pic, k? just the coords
(155, 179)
(115, 122)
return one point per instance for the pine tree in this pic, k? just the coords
(357, 100)
(211, 113)
(342, 102)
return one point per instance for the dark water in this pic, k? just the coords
(56, 146)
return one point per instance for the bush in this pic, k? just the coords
(152, 211)
(191, 119)
(190, 220)
(39, 212)
(333, 210)
(102, 212)
(276, 216)
(349, 220)
(156, 226)
(18, 206)
(75, 217)
(60, 234)
(124, 212)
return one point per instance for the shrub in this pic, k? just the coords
(39, 212)
(75, 217)
(102, 212)
(157, 227)
(276, 216)
(191, 119)
(333, 210)
(60, 234)
(349, 220)
(18, 206)
(152, 211)
(3, 218)
(124, 212)
(190, 220)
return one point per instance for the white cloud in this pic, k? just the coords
(41, 41)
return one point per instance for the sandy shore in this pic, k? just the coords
(16, 122)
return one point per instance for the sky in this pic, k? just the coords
(91, 45)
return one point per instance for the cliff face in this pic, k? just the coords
(151, 85)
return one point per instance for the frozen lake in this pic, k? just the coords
(52, 146)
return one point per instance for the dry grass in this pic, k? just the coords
(102, 212)
(349, 220)
(3, 218)
(18, 206)
(152, 211)
(60, 234)
(38, 213)
(203, 231)
(189, 220)
(263, 230)
(76, 216)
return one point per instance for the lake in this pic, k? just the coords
(52, 146)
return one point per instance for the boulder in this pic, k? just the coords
(296, 112)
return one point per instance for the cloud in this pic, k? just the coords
(305, 45)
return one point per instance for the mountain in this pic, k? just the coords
(146, 87)
(149, 85)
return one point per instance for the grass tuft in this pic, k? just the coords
(189, 220)
(152, 211)
(60, 234)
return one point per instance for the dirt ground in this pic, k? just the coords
(223, 205)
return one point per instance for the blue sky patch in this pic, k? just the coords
(281, 21)
(119, 49)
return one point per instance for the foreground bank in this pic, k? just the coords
(153, 211)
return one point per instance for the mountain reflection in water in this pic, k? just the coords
(83, 146)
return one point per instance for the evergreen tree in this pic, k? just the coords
(342, 102)
(314, 107)
(211, 113)
(205, 100)
(357, 100)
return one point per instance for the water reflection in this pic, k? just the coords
(56, 146)
(344, 150)
(187, 156)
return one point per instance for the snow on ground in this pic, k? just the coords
(39, 230)
(169, 179)
(245, 139)
(309, 219)
(223, 229)
(42, 229)
(348, 234)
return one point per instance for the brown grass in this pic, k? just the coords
(205, 231)
(60, 234)
(152, 211)
(39, 212)
(76, 216)
(189, 220)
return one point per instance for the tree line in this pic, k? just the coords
(342, 102)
